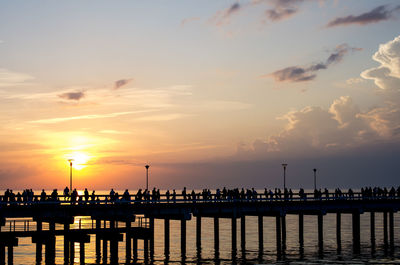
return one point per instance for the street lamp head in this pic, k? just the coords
(70, 161)
(147, 166)
(284, 165)
(315, 170)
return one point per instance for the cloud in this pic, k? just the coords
(122, 82)
(283, 9)
(352, 81)
(380, 13)
(113, 132)
(86, 117)
(72, 95)
(307, 73)
(189, 20)
(8, 78)
(342, 126)
(222, 17)
(164, 117)
(387, 75)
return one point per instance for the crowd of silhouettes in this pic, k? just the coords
(27, 196)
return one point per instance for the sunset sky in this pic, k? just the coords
(209, 93)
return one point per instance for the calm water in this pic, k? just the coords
(25, 253)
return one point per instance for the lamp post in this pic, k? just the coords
(284, 176)
(70, 175)
(147, 176)
(315, 178)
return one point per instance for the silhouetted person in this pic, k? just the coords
(54, 195)
(174, 195)
(93, 196)
(43, 195)
(74, 195)
(86, 193)
(66, 193)
(184, 193)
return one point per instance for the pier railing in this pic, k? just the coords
(197, 198)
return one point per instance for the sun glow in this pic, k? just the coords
(79, 159)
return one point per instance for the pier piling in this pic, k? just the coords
(301, 229)
(166, 237)
(338, 231)
(260, 233)
(216, 234)
(198, 232)
(243, 233)
(321, 231)
(356, 231)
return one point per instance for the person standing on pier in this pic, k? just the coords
(184, 193)
(86, 193)
(66, 193)
(43, 195)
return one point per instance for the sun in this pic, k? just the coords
(79, 160)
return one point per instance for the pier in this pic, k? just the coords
(130, 219)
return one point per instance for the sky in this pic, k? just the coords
(208, 93)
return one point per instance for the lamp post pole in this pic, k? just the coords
(70, 175)
(147, 176)
(315, 178)
(284, 176)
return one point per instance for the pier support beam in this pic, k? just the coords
(278, 234)
(82, 252)
(321, 231)
(338, 231)
(301, 229)
(166, 238)
(104, 251)
(372, 229)
(135, 248)
(260, 233)
(216, 235)
(233, 234)
(183, 237)
(128, 248)
(356, 231)
(10, 254)
(98, 241)
(151, 225)
(243, 233)
(391, 230)
(146, 250)
(385, 229)
(2, 254)
(283, 218)
(66, 244)
(198, 232)
(38, 245)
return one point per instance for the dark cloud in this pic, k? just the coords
(122, 82)
(235, 7)
(223, 16)
(283, 9)
(307, 73)
(377, 14)
(293, 74)
(276, 15)
(72, 95)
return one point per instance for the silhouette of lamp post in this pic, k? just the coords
(70, 175)
(315, 178)
(284, 176)
(147, 176)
